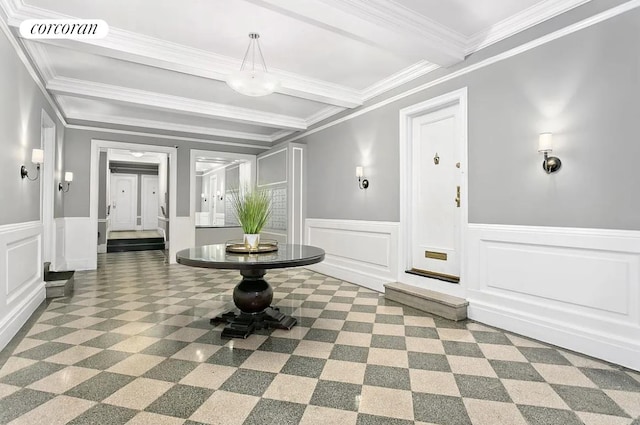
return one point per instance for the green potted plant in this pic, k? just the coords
(252, 207)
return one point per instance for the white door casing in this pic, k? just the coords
(124, 201)
(149, 201)
(435, 209)
(457, 98)
(47, 187)
(213, 198)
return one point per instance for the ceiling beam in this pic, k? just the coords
(381, 23)
(73, 116)
(164, 102)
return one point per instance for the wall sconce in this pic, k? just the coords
(37, 157)
(219, 195)
(551, 164)
(68, 178)
(363, 182)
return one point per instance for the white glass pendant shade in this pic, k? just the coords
(253, 82)
(253, 79)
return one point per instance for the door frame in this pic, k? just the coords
(143, 208)
(172, 152)
(47, 187)
(407, 115)
(134, 200)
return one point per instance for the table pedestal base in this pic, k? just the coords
(244, 324)
(253, 296)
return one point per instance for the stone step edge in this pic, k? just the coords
(426, 294)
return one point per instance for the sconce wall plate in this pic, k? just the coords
(551, 164)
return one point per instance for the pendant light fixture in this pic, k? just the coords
(253, 79)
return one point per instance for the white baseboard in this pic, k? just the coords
(575, 288)
(362, 252)
(79, 250)
(21, 284)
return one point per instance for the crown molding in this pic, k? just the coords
(404, 76)
(41, 59)
(323, 114)
(164, 126)
(519, 22)
(92, 90)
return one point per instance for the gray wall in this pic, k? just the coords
(77, 155)
(582, 87)
(21, 103)
(198, 192)
(273, 168)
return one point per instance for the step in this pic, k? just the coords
(59, 288)
(134, 241)
(447, 306)
(51, 276)
(135, 247)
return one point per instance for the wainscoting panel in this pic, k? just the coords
(21, 283)
(59, 264)
(362, 252)
(575, 288)
(79, 251)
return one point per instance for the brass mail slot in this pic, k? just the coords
(436, 255)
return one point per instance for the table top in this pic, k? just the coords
(216, 257)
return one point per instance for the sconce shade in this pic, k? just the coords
(359, 171)
(68, 176)
(545, 142)
(37, 156)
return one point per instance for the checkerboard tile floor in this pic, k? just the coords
(134, 345)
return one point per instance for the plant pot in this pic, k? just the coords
(251, 241)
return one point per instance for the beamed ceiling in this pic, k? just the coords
(162, 67)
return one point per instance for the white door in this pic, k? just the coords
(149, 201)
(436, 217)
(124, 201)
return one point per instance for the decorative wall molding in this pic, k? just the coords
(321, 115)
(267, 155)
(362, 252)
(21, 282)
(575, 288)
